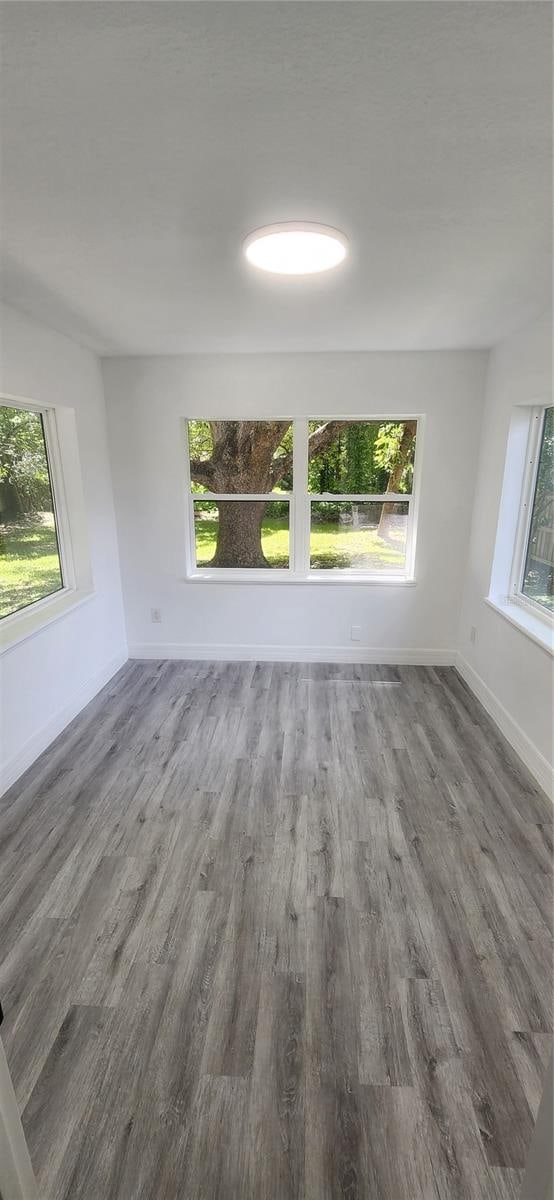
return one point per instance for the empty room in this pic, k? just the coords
(276, 600)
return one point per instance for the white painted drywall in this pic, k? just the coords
(146, 401)
(47, 678)
(423, 130)
(515, 671)
(17, 1181)
(538, 1183)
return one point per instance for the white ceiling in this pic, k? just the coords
(142, 141)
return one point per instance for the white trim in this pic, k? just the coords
(413, 507)
(527, 603)
(190, 532)
(300, 501)
(341, 576)
(70, 522)
(313, 497)
(12, 401)
(29, 621)
(538, 1182)
(299, 561)
(522, 617)
(257, 653)
(14, 767)
(59, 499)
(17, 1181)
(530, 755)
(359, 497)
(62, 529)
(536, 422)
(527, 503)
(215, 497)
(381, 418)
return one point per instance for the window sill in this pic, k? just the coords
(32, 620)
(312, 580)
(538, 629)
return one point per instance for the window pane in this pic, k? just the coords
(361, 456)
(240, 456)
(242, 533)
(359, 537)
(29, 554)
(538, 575)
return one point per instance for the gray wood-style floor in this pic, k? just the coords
(277, 931)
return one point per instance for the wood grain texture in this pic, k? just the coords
(277, 932)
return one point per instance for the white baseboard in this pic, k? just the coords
(35, 745)
(328, 654)
(536, 763)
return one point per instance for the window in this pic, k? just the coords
(301, 499)
(45, 566)
(30, 557)
(533, 573)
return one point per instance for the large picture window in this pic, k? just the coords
(533, 576)
(301, 499)
(30, 555)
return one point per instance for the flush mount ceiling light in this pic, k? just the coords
(295, 248)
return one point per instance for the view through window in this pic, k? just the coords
(538, 568)
(367, 467)
(350, 510)
(30, 566)
(248, 459)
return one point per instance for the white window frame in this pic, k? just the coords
(300, 500)
(534, 442)
(70, 523)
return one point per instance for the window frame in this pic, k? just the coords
(537, 416)
(77, 586)
(300, 501)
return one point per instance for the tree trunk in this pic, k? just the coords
(11, 507)
(387, 510)
(243, 460)
(239, 534)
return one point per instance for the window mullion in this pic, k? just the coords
(300, 504)
(360, 497)
(190, 539)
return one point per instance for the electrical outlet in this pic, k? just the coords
(156, 615)
(356, 633)
(473, 634)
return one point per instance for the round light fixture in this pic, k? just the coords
(296, 248)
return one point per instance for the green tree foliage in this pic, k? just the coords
(387, 449)
(240, 457)
(200, 447)
(545, 476)
(24, 481)
(360, 460)
(539, 567)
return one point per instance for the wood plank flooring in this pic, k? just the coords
(277, 932)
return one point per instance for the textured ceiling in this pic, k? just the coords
(142, 141)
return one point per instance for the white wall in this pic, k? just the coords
(146, 400)
(48, 677)
(511, 673)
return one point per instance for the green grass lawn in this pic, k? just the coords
(332, 545)
(29, 563)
